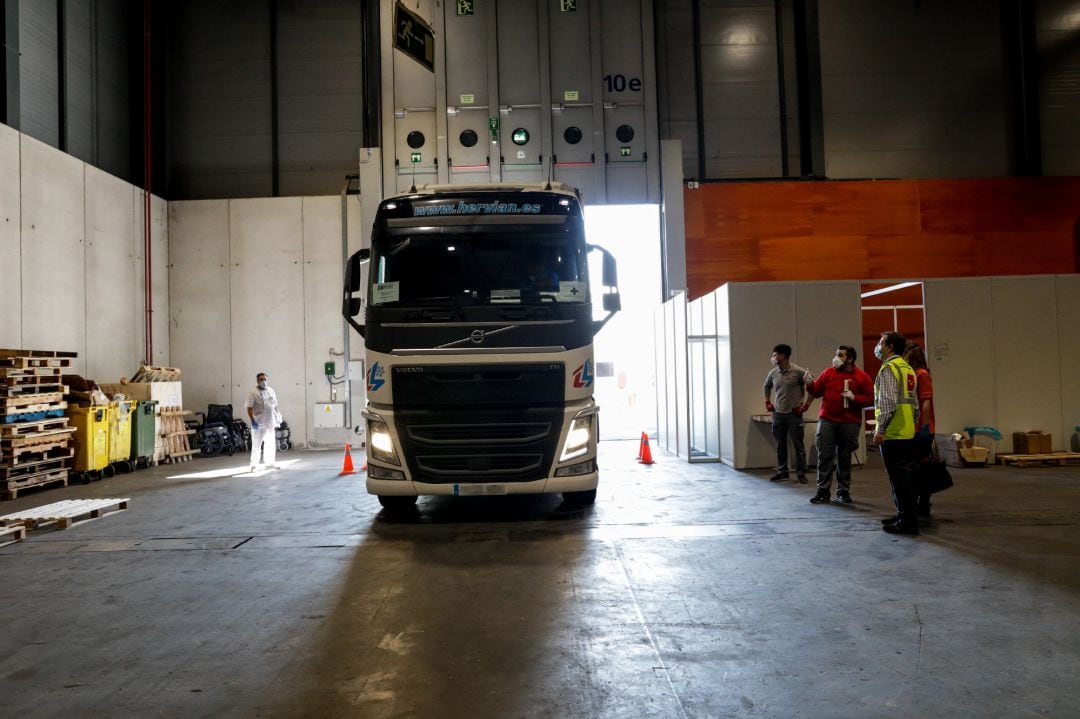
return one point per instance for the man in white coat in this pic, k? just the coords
(263, 412)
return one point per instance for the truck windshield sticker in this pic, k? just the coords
(571, 292)
(376, 377)
(583, 375)
(505, 296)
(477, 208)
(385, 292)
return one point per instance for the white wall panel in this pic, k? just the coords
(762, 316)
(54, 285)
(1067, 292)
(1026, 353)
(10, 230)
(724, 366)
(827, 315)
(111, 350)
(199, 333)
(324, 325)
(959, 336)
(267, 310)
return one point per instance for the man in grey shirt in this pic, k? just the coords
(788, 381)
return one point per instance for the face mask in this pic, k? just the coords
(774, 361)
(837, 363)
(879, 353)
(262, 385)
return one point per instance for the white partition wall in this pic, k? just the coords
(1067, 294)
(812, 317)
(1001, 350)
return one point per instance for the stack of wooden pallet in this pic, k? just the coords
(34, 435)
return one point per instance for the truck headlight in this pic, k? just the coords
(380, 443)
(577, 439)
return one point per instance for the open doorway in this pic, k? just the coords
(625, 371)
(890, 307)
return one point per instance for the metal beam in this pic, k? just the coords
(1022, 63)
(699, 90)
(275, 157)
(808, 64)
(9, 63)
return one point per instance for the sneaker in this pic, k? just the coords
(801, 478)
(820, 498)
(890, 520)
(272, 466)
(843, 497)
(780, 476)
(900, 529)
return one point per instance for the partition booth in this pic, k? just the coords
(986, 339)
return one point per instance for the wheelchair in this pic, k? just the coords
(219, 432)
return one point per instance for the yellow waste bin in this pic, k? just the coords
(91, 437)
(120, 431)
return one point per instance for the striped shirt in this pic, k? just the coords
(886, 394)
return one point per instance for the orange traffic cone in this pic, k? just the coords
(646, 453)
(347, 467)
(641, 445)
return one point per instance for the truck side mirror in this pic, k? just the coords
(612, 303)
(353, 272)
(351, 306)
(610, 273)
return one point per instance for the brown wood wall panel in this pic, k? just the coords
(894, 229)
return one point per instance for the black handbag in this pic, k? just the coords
(932, 476)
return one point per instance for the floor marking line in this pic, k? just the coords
(648, 632)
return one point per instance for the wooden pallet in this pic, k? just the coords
(149, 373)
(30, 362)
(12, 449)
(10, 488)
(23, 389)
(33, 402)
(23, 429)
(26, 372)
(37, 466)
(175, 434)
(10, 535)
(63, 514)
(32, 454)
(37, 353)
(1053, 459)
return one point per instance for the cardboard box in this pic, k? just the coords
(1032, 443)
(960, 453)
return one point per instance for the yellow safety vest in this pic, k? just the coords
(902, 424)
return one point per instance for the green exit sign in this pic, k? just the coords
(329, 369)
(465, 7)
(413, 36)
(624, 152)
(567, 5)
(414, 157)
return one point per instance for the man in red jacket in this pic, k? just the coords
(844, 390)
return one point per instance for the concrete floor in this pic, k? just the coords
(688, 591)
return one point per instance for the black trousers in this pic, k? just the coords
(900, 456)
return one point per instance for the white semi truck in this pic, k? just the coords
(478, 333)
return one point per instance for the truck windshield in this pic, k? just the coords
(478, 268)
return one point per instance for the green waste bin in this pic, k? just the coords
(142, 432)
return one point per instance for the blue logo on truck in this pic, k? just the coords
(376, 377)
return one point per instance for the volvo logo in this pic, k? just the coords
(477, 337)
